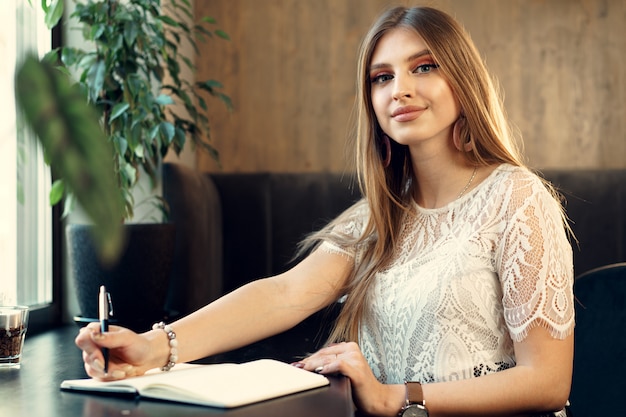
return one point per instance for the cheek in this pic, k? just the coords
(442, 94)
(380, 109)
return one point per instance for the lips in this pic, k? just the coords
(407, 113)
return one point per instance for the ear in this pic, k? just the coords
(462, 144)
(456, 132)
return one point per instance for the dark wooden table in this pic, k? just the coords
(51, 357)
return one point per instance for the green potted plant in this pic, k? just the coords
(133, 79)
(133, 76)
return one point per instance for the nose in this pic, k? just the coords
(401, 88)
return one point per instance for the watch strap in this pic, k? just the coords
(414, 394)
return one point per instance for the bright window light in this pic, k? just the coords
(25, 216)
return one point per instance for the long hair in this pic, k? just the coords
(388, 189)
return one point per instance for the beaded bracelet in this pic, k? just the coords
(171, 336)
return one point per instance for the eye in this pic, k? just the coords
(425, 68)
(380, 78)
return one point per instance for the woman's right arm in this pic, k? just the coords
(255, 311)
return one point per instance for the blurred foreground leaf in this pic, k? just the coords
(75, 147)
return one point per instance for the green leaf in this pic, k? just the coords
(185, 98)
(168, 20)
(120, 144)
(134, 140)
(181, 138)
(68, 205)
(70, 56)
(164, 99)
(52, 56)
(209, 19)
(57, 191)
(187, 62)
(136, 85)
(95, 76)
(167, 131)
(209, 85)
(227, 101)
(130, 173)
(96, 31)
(153, 132)
(117, 43)
(54, 12)
(222, 34)
(78, 151)
(118, 109)
(131, 30)
(201, 31)
(202, 103)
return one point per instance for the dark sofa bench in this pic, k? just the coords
(234, 228)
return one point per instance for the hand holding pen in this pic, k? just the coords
(104, 309)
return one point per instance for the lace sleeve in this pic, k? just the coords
(346, 230)
(535, 262)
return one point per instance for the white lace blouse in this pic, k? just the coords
(466, 281)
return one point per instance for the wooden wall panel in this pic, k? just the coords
(290, 71)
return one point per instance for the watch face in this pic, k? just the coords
(415, 410)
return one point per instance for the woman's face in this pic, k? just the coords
(412, 101)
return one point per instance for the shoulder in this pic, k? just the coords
(343, 232)
(519, 185)
(514, 193)
(525, 199)
(507, 175)
(351, 220)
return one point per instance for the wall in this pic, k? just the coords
(290, 71)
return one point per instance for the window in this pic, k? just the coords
(25, 215)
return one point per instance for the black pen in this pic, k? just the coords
(104, 307)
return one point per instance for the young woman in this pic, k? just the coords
(455, 267)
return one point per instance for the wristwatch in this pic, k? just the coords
(415, 405)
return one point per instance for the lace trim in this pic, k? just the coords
(328, 246)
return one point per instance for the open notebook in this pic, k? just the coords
(224, 385)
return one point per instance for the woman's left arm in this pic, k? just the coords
(540, 382)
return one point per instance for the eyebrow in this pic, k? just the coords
(409, 59)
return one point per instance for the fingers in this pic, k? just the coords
(91, 338)
(92, 356)
(336, 358)
(91, 341)
(348, 360)
(85, 339)
(331, 364)
(95, 369)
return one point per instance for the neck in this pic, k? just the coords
(438, 184)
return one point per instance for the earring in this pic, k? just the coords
(456, 135)
(387, 151)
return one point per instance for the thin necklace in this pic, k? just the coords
(468, 184)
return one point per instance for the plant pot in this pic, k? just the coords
(138, 282)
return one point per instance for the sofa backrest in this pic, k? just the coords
(266, 215)
(234, 228)
(595, 202)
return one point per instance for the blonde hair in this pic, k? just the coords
(388, 190)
